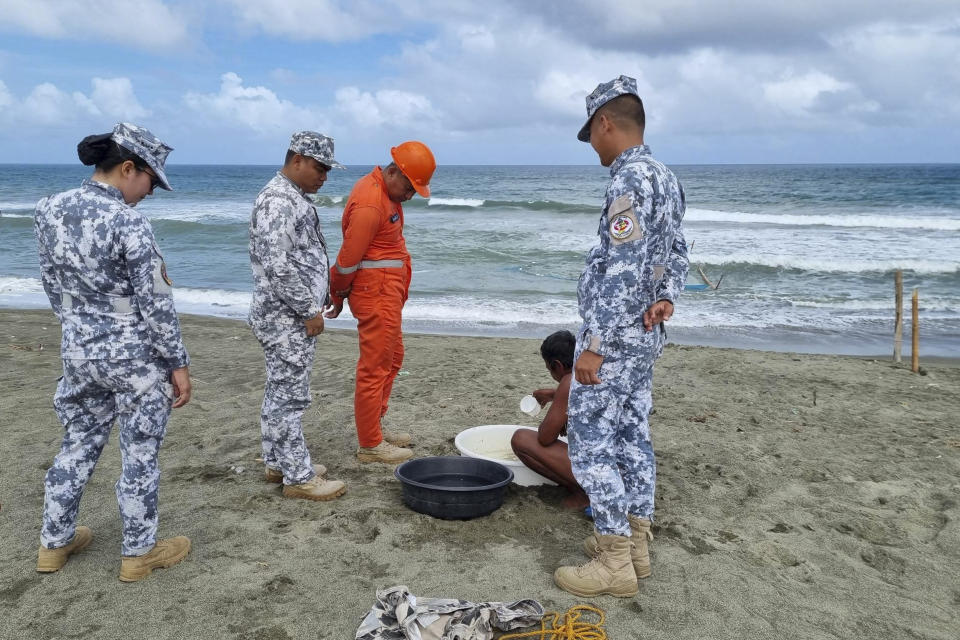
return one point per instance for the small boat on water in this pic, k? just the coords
(706, 285)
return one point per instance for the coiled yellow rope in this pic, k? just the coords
(571, 628)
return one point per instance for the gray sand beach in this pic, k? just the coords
(799, 496)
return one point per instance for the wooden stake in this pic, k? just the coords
(898, 323)
(915, 348)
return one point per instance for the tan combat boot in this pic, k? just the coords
(640, 535)
(397, 438)
(609, 572)
(50, 560)
(276, 476)
(384, 452)
(164, 555)
(316, 488)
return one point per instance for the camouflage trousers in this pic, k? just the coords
(91, 395)
(289, 353)
(609, 441)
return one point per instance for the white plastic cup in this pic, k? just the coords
(530, 406)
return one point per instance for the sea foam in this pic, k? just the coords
(833, 220)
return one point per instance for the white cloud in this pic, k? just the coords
(114, 98)
(746, 25)
(148, 24)
(47, 105)
(796, 94)
(513, 75)
(85, 104)
(476, 38)
(909, 70)
(386, 108)
(564, 91)
(256, 108)
(328, 20)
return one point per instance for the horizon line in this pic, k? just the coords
(534, 164)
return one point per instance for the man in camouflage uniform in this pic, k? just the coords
(288, 255)
(627, 290)
(123, 357)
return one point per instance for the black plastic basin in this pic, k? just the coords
(453, 487)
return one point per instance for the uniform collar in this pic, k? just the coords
(629, 155)
(293, 184)
(377, 174)
(108, 189)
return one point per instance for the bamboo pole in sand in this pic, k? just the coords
(915, 347)
(898, 323)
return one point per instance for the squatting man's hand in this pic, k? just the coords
(543, 396)
(658, 312)
(586, 367)
(314, 325)
(180, 379)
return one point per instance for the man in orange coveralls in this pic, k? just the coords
(373, 269)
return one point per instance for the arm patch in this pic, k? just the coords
(624, 226)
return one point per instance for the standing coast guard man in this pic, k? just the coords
(288, 255)
(626, 292)
(373, 268)
(123, 358)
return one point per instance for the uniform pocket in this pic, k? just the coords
(368, 282)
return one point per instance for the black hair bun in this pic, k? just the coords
(93, 149)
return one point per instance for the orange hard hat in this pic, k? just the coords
(416, 162)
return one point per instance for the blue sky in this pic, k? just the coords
(227, 81)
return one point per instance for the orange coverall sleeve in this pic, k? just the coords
(362, 226)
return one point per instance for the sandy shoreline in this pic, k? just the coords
(799, 496)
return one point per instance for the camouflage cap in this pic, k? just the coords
(315, 145)
(147, 146)
(604, 93)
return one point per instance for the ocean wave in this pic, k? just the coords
(926, 304)
(327, 201)
(16, 285)
(833, 220)
(552, 206)
(827, 264)
(7, 207)
(769, 321)
(212, 213)
(455, 202)
(476, 310)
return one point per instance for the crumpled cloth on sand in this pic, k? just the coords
(400, 615)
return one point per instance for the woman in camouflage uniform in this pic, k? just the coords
(123, 357)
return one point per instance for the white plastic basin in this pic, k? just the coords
(492, 442)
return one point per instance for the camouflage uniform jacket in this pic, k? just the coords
(641, 258)
(399, 615)
(288, 255)
(105, 278)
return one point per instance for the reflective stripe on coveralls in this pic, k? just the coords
(371, 264)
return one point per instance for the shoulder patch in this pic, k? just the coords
(163, 273)
(624, 226)
(162, 284)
